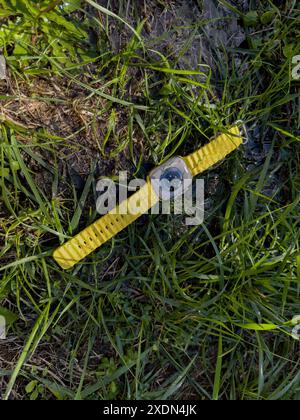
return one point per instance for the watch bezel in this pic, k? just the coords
(156, 174)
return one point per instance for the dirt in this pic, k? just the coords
(69, 114)
(188, 32)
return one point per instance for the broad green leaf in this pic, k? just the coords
(267, 17)
(31, 386)
(69, 26)
(9, 316)
(70, 6)
(251, 19)
(4, 172)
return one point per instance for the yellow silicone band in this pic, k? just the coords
(214, 152)
(123, 215)
(105, 228)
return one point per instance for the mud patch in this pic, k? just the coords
(71, 122)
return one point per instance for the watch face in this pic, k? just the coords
(171, 179)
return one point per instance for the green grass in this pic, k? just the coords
(163, 311)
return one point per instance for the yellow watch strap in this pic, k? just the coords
(139, 203)
(214, 151)
(106, 227)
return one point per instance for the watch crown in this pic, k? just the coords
(171, 179)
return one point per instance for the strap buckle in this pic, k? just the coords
(244, 132)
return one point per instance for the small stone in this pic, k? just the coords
(2, 67)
